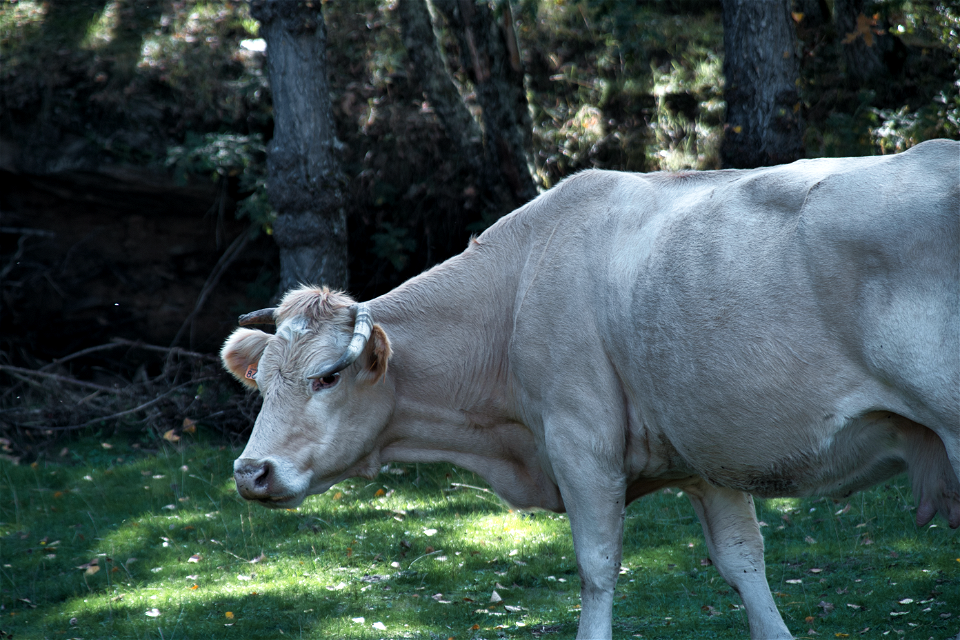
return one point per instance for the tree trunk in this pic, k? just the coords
(764, 126)
(490, 54)
(429, 69)
(305, 183)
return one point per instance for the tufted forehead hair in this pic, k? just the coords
(315, 306)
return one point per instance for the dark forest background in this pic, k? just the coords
(133, 171)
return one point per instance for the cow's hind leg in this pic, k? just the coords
(729, 523)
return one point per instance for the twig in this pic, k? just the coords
(58, 378)
(13, 261)
(231, 254)
(432, 553)
(82, 352)
(179, 351)
(470, 486)
(141, 407)
(28, 232)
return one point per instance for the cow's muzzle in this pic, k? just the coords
(257, 480)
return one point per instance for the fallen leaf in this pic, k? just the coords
(906, 601)
(229, 615)
(194, 587)
(797, 16)
(359, 620)
(795, 581)
(153, 613)
(495, 597)
(379, 626)
(189, 426)
(380, 492)
(809, 540)
(194, 558)
(429, 532)
(106, 445)
(170, 436)
(475, 627)
(815, 570)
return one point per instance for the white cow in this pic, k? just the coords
(787, 331)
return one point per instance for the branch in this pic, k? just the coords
(122, 413)
(58, 378)
(231, 254)
(177, 351)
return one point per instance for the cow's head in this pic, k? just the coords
(325, 393)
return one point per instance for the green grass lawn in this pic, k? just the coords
(124, 543)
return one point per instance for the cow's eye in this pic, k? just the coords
(326, 382)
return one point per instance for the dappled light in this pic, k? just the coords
(161, 539)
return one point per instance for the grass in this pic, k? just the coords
(418, 553)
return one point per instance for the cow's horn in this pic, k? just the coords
(264, 316)
(362, 327)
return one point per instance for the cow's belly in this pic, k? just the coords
(861, 452)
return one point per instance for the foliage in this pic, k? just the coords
(224, 156)
(128, 78)
(149, 539)
(634, 86)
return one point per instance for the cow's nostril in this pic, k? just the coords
(262, 479)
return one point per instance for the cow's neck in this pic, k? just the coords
(450, 330)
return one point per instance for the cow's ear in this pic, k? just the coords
(241, 354)
(378, 353)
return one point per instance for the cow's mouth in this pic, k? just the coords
(280, 502)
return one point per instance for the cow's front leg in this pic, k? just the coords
(729, 522)
(594, 495)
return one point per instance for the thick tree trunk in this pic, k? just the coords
(491, 55)
(305, 183)
(761, 68)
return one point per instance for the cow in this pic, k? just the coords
(783, 331)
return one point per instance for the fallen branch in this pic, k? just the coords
(58, 378)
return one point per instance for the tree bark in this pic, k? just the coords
(429, 69)
(764, 125)
(490, 54)
(305, 182)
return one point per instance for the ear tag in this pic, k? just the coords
(251, 373)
